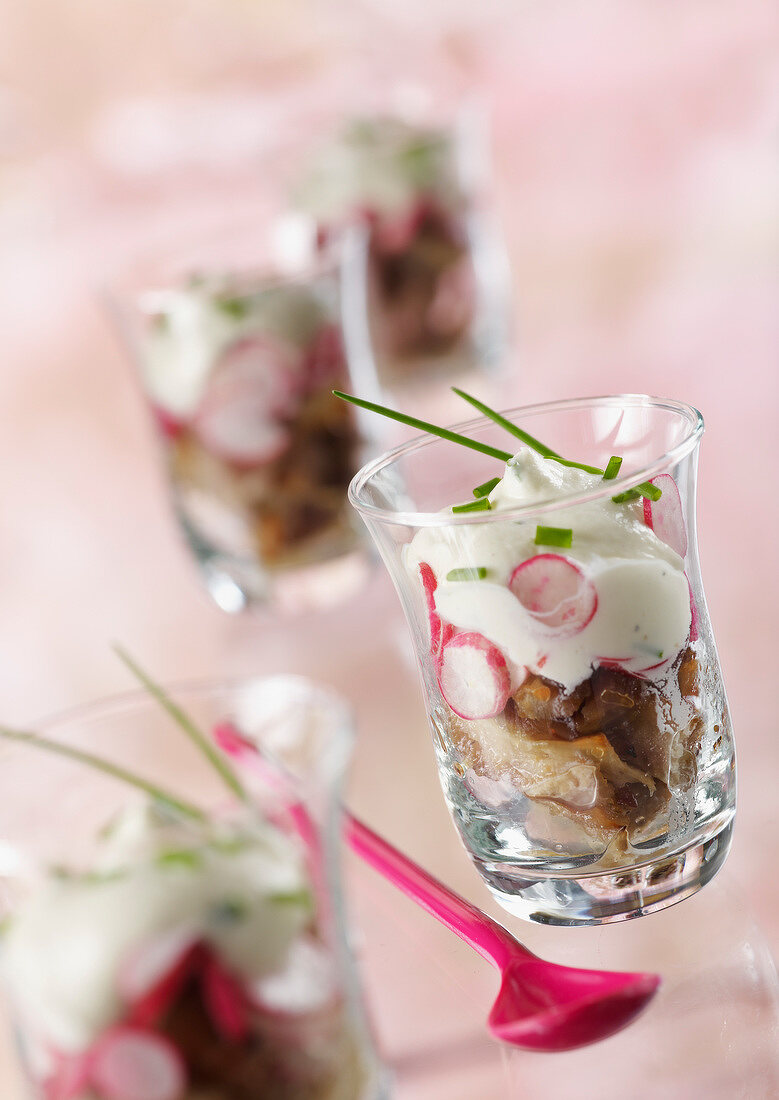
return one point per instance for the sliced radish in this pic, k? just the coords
(263, 360)
(612, 662)
(152, 961)
(556, 593)
(232, 742)
(224, 1001)
(429, 584)
(394, 232)
(132, 1064)
(473, 676)
(251, 390)
(70, 1077)
(654, 667)
(324, 361)
(453, 301)
(170, 425)
(153, 975)
(630, 665)
(665, 516)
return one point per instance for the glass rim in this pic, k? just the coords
(107, 706)
(443, 133)
(603, 489)
(147, 273)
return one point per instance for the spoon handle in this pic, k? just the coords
(492, 941)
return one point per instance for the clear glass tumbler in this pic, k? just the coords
(183, 942)
(237, 357)
(438, 285)
(573, 687)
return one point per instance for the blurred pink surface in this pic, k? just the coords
(637, 185)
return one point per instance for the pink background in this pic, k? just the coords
(636, 180)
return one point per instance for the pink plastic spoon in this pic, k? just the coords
(540, 1005)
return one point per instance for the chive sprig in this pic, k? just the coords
(196, 736)
(645, 489)
(179, 806)
(467, 573)
(486, 487)
(425, 426)
(612, 468)
(480, 505)
(519, 433)
(554, 536)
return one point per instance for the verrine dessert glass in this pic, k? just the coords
(183, 943)
(572, 683)
(437, 279)
(237, 359)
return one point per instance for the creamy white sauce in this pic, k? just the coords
(643, 602)
(187, 330)
(67, 945)
(383, 164)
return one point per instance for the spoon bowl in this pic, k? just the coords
(540, 1005)
(547, 1007)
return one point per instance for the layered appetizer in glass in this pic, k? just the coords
(238, 368)
(573, 687)
(179, 952)
(404, 182)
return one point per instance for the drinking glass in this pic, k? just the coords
(237, 356)
(586, 798)
(438, 285)
(148, 954)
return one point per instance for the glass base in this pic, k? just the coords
(237, 585)
(619, 895)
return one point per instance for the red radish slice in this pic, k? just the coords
(239, 418)
(453, 302)
(429, 584)
(235, 423)
(169, 425)
(148, 996)
(262, 360)
(654, 667)
(629, 665)
(473, 676)
(232, 742)
(69, 1079)
(224, 1001)
(132, 1064)
(151, 961)
(665, 516)
(395, 232)
(556, 593)
(325, 362)
(612, 662)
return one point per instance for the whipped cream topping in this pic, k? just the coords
(642, 611)
(383, 164)
(190, 326)
(242, 888)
